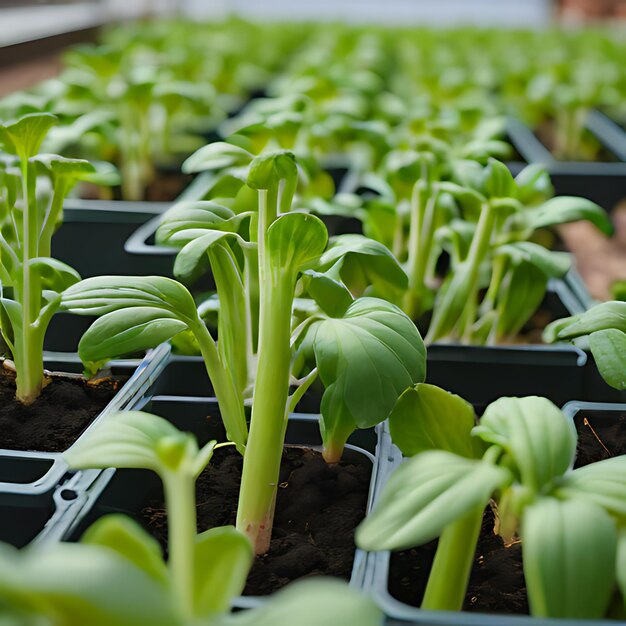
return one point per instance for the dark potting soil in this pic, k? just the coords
(54, 421)
(600, 437)
(497, 582)
(317, 509)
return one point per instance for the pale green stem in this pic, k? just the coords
(261, 463)
(451, 569)
(180, 502)
(228, 396)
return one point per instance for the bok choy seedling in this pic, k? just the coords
(603, 330)
(519, 458)
(33, 187)
(366, 352)
(117, 574)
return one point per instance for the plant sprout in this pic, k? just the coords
(519, 458)
(33, 187)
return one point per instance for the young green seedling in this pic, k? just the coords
(603, 329)
(30, 211)
(519, 458)
(366, 351)
(206, 570)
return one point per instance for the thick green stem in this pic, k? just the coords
(61, 189)
(180, 501)
(449, 575)
(261, 463)
(28, 344)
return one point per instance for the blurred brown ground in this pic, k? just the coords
(600, 261)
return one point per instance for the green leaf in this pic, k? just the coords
(85, 584)
(533, 184)
(535, 433)
(424, 495)
(311, 603)
(520, 295)
(54, 275)
(498, 182)
(103, 294)
(621, 561)
(215, 156)
(123, 332)
(569, 552)
(371, 257)
(223, 557)
(366, 360)
(561, 210)
(128, 539)
(197, 215)
(609, 351)
(135, 439)
(603, 483)
(61, 167)
(24, 136)
(552, 264)
(603, 316)
(428, 418)
(295, 241)
(331, 294)
(267, 169)
(193, 260)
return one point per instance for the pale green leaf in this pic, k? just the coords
(569, 552)
(609, 351)
(424, 495)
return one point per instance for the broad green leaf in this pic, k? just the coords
(199, 214)
(267, 169)
(295, 241)
(331, 294)
(424, 495)
(372, 258)
(128, 539)
(468, 199)
(367, 359)
(311, 603)
(552, 264)
(569, 552)
(538, 437)
(521, 294)
(24, 136)
(193, 260)
(561, 210)
(428, 418)
(534, 184)
(103, 294)
(603, 316)
(85, 584)
(54, 275)
(135, 439)
(609, 351)
(215, 156)
(223, 557)
(498, 182)
(123, 332)
(603, 483)
(62, 167)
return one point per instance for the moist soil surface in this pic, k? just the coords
(54, 421)
(317, 509)
(497, 582)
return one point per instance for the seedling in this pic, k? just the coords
(603, 330)
(366, 351)
(33, 187)
(519, 458)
